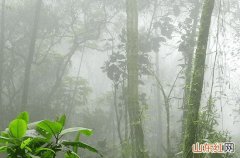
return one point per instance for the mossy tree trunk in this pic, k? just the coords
(29, 60)
(191, 43)
(197, 79)
(132, 69)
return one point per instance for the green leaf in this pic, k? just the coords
(44, 149)
(29, 149)
(18, 128)
(40, 140)
(24, 116)
(48, 154)
(50, 127)
(25, 143)
(82, 130)
(5, 134)
(44, 133)
(62, 120)
(4, 138)
(71, 154)
(77, 139)
(3, 149)
(80, 145)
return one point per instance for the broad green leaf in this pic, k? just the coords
(80, 145)
(24, 116)
(50, 127)
(18, 128)
(44, 133)
(82, 130)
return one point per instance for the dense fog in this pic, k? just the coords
(129, 78)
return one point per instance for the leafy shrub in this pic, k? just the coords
(42, 139)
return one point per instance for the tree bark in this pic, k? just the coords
(190, 53)
(132, 69)
(197, 80)
(30, 56)
(167, 106)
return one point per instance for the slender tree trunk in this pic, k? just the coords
(166, 98)
(2, 41)
(30, 56)
(118, 119)
(197, 79)
(132, 68)
(159, 109)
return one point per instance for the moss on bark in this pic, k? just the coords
(197, 80)
(132, 68)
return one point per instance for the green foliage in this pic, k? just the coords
(41, 139)
(17, 128)
(24, 116)
(208, 134)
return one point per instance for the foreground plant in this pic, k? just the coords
(43, 139)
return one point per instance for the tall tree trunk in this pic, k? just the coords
(189, 54)
(2, 41)
(167, 106)
(118, 119)
(132, 68)
(197, 79)
(30, 56)
(159, 109)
